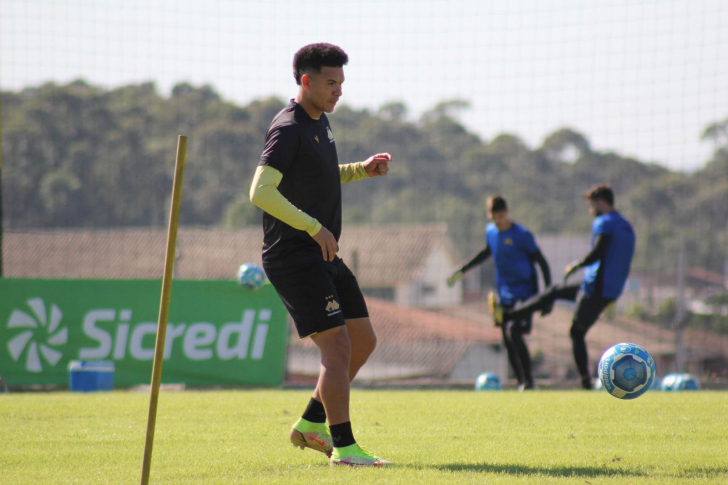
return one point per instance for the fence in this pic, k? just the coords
(535, 101)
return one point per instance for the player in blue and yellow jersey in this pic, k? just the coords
(298, 186)
(606, 268)
(514, 253)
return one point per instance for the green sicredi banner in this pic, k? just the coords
(217, 333)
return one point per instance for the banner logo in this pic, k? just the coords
(217, 333)
(115, 338)
(42, 334)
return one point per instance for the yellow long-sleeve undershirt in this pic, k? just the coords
(265, 194)
(352, 172)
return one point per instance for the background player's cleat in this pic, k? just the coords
(495, 308)
(355, 455)
(586, 383)
(526, 386)
(316, 436)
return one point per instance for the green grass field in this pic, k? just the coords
(454, 437)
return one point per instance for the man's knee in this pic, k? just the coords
(512, 330)
(577, 332)
(363, 338)
(335, 346)
(367, 344)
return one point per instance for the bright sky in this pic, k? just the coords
(642, 78)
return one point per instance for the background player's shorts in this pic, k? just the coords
(523, 325)
(319, 295)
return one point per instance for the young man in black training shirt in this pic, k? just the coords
(298, 185)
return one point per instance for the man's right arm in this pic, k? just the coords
(265, 194)
(479, 258)
(597, 253)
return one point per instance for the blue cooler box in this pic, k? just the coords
(89, 376)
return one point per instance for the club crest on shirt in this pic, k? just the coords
(330, 133)
(508, 241)
(315, 137)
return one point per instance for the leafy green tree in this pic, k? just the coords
(77, 155)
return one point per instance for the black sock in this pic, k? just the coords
(315, 412)
(341, 434)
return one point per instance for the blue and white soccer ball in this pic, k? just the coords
(626, 370)
(251, 276)
(487, 382)
(598, 386)
(680, 382)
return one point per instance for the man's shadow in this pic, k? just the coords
(571, 471)
(555, 471)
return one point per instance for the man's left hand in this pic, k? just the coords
(453, 278)
(378, 164)
(570, 270)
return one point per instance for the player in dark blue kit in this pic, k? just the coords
(606, 268)
(514, 252)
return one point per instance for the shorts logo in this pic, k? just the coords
(330, 133)
(332, 307)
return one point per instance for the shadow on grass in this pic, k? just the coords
(576, 471)
(556, 471)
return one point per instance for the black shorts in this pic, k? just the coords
(588, 310)
(319, 295)
(524, 324)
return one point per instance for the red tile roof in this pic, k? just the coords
(411, 342)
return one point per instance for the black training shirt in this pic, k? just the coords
(303, 150)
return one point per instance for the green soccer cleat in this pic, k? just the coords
(316, 436)
(355, 455)
(495, 308)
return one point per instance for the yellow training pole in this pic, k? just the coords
(164, 304)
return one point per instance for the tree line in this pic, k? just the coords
(77, 155)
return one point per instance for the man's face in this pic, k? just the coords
(595, 207)
(500, 219)
(324, 88)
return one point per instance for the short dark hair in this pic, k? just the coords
(313, 57)
(497, 203)
(600, 191)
